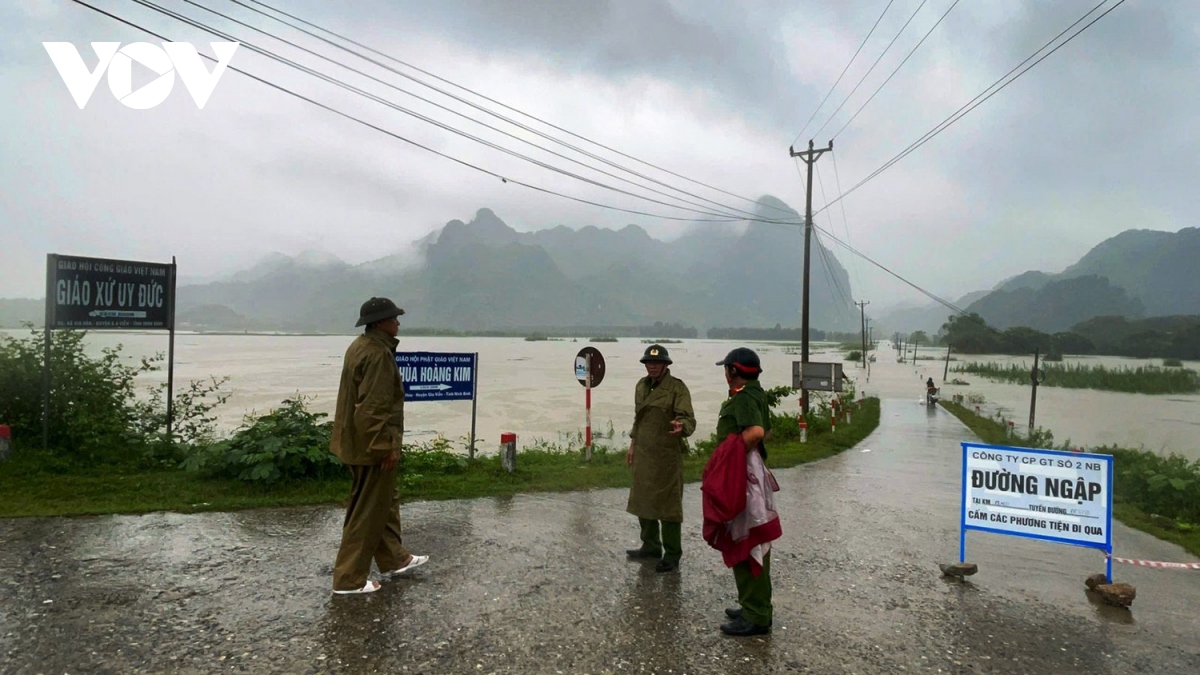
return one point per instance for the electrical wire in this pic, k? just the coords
(845, 295)
(485, 98)
(335, 81)
(871, 69)
(981, 98)
(843, 74)
(845, 223)
(468, 103)
(889, 78)
(396, 136)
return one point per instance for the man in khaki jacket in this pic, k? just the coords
(368, 427)
(663, 417)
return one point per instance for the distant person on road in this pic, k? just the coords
(739, 503)
(663, 417)
(368, 428)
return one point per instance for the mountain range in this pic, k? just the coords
(484, 275)
(1136, 274)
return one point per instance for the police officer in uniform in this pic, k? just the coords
(748, 412)
(663, 419)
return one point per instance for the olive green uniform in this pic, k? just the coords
(368, 425)
(749, 408)
(656, 496)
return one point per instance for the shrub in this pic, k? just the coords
(287, 444)
(96, 416)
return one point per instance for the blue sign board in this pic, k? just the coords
(437, 376)
(1062, 497)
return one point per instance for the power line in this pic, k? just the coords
(981, 98)
(839, 78)
(846, 296)
(429, 120)
(340, 83)
(484, 97)
(465, 102)
(871, 69)
(946, 303)
(845, 223)
(396, 136)
(889, 78)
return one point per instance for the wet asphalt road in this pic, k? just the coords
(540, 584)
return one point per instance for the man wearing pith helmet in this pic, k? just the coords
(368, 428)
(663, 417)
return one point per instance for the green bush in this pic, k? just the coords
(1172, 363)
(287, 444)
(855, 355)
(1140, 380)
(96, 414)
(1167, 486)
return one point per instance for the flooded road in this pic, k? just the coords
(540, 584)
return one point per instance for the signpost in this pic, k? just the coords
(441, 376)
(1061, 497)
(589, 370)
(814, 376)
(105, 294)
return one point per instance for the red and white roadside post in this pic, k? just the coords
(803, 423)
(588, 404)
(508, 451)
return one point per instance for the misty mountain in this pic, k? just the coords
(1032, 280)
(928, 317)
(1058, 305)
(1157, 268)
(16, 311)
(1134, 274)
(483, 275)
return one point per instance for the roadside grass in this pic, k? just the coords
(33, 489)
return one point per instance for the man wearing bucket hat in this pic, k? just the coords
(368, 427)
(663, 417)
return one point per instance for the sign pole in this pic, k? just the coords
(474, 400)
(171, 356)
(1033, 377)
(51, 264)
(588, 403)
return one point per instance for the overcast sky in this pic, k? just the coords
(1101, 137)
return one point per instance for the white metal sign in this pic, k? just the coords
(1064, 497)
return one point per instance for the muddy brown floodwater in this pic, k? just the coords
(540, 584)
(528, 387)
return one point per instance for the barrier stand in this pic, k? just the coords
(5, 441)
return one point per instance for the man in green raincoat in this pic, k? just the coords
(663, 418)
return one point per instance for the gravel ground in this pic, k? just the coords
(540, 584)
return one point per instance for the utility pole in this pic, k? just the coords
(862, 307)
(870, 344)
(810, 157)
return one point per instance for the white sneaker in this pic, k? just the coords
(417, 561)
(369, 587)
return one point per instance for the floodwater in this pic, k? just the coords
(529, 387)
(540, 584)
